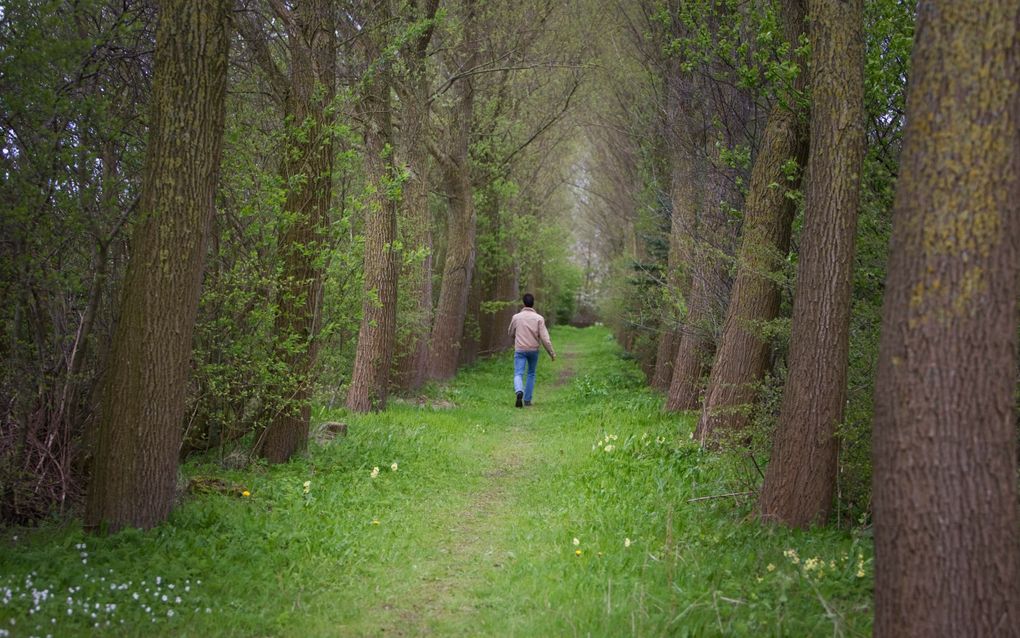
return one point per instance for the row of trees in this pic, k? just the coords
(211, 224)
(759, 179)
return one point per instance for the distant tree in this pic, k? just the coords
(947, 532)
(742, 357)
(801, 476)
(137, 443)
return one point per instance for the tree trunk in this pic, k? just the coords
(743, 355)
(374, 357)
(444, 348)
(416, 227)
(411, 361)
(470, 341)
(801, 476)
(685, 197)
(134, 474)
(307, 170)
(677, 285)
(457, 274)
(947, 532)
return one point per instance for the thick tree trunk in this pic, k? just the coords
(685, 197)
(416, 232)
(307, 170)
(707, 286)
(743, 355)
(947, 532)
(374, 357)
(134, 473)
(801, 476)
(448, 327)
(457, 274)
(411, 361)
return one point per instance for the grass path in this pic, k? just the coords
(571, 518)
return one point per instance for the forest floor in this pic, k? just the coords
(569, 518)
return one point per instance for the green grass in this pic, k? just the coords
(473, 534)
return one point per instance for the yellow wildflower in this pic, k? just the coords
(770, 567)
(307, 486)
(246, 493)
(375, 521)
(577, 552)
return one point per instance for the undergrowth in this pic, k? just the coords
(459, 515)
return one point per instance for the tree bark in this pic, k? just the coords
(742, 356)
(134, 474)
(685, 199)
(307, 169)
(376, 338)
(457, 274)
(451, 310)
(677, 285)
(801, 476)
(411, 361)
(947, 532)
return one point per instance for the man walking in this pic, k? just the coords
(528, 330)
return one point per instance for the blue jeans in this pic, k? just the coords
(531, 359)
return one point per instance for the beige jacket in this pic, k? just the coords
(528, 329)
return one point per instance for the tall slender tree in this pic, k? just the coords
(307, 170)
(947, 532)
(742, 356)
(801, 476)
(134, 473)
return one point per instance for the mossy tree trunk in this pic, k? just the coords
(138, 436)
(742, 357)
(947, 532)
(801, 476)
(307, 170)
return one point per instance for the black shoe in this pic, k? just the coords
(520, 395)
(527, 404)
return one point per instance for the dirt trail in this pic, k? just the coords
(443, 593)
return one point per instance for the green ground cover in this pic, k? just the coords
(569, 518)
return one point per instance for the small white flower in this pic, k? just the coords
(307, 486)
(393, 467)
(375, 472)
(577, 542)
(626, 542)
(610, 448)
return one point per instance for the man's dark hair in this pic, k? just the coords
(529, 300)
